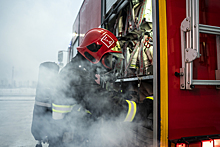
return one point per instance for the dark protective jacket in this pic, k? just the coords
(85, 114)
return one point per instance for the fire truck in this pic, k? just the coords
(182, 38)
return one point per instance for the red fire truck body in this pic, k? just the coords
(192, 112)
(186, 70)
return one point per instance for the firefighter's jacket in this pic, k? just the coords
(86, 114)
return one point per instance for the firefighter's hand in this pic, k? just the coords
(97, 78)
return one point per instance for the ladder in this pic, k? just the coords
(190, 41)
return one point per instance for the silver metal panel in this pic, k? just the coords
(109, 4)
(155, 80)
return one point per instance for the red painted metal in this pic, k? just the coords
(180, 145)
(196, 112)
(90, 16)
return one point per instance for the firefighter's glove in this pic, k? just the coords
(105, 82)
(97, 78)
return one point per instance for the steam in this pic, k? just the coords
(31, 33)
(79, 127)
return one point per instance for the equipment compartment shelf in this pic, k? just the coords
(149, 77)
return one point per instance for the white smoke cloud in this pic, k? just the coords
(32, 32)
(80, 128)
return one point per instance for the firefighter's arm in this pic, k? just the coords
(137, 112)
(141, 112)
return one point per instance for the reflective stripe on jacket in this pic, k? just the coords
(132, 108)
(150, 97)
(59, 111)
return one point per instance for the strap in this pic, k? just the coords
(142, 11)
(132, 108)
(126, 22)
(116, 23)
(141, 58)
(131, 18)
(125, 53)
(149, 55)
(42, 104)
(131, 57)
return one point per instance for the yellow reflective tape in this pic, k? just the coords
(87, 111)
(149, 97)
(63, 106)
(132, 108)
(135, 109)
(59, 111)
(129, 109)
(133, 65)
(117, 47)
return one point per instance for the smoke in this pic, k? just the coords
(31, 33)
(97, 117)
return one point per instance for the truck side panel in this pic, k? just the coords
(75, 29)
(192, 112)
(90, 16)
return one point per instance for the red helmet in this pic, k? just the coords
(96, 43)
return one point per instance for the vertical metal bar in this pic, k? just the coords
(102, 12)
(189, 45)
(183, 46)
(196, 33)
(194, 25)
(218, 51)
(155, 80)
(187, 6)
(197, 28)
(217, 72)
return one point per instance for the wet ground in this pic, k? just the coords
(15, 122)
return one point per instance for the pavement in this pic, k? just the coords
(15, 122)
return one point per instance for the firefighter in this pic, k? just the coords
(87, 109)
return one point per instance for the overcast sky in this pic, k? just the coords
(32, 32)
